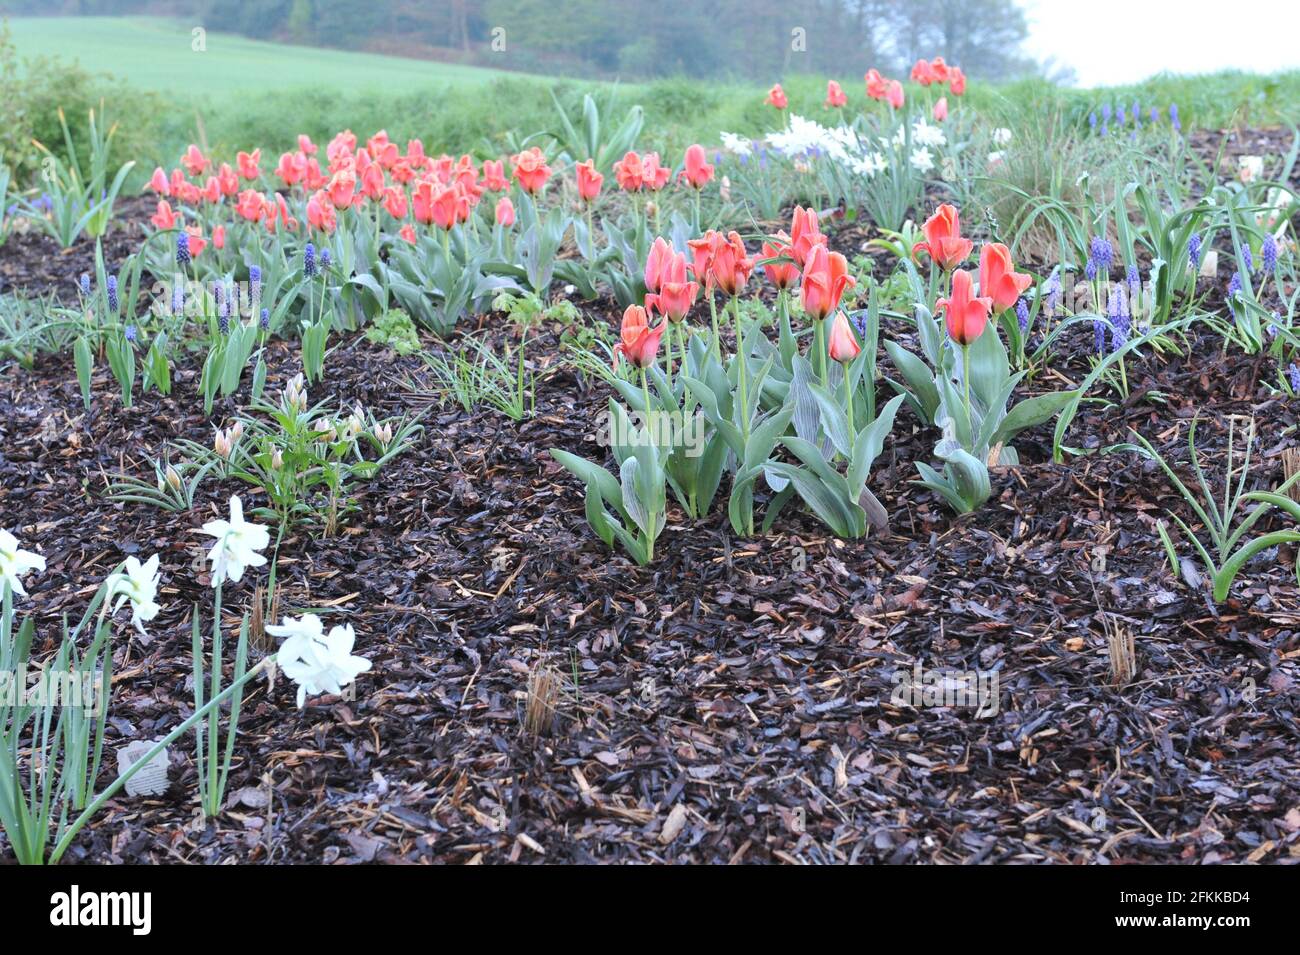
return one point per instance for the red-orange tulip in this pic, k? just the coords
(627, 172)
(781, 274)
(998, 278)
(825, 277)
(639, 343)
(965, 315)
(943, 239)
(804, 234)
(697, 171)
(941, 109)
(531, 170)
(731, 267)
(835, 96)
(843, 346)
(894, 93)
(923, 73)
(776, 97)
(589, 180)
(505, 212)
(877, 85)
(956, 81)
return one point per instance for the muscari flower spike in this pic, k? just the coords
(1173, 117)
(182, 249)
(1248, 259)
(1268, 252)
(264, 320)
(84, 282)
(129, 333)
(1293, 373)
(1121, 321)
(309, 260)
(1194, 250)
(111, 283)
(325, 259)
(1100, 251)
(1022, 315)
(1099, 335)
(178, 298)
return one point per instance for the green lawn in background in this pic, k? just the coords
(156, 54)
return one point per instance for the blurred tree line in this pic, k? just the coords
(743, 39)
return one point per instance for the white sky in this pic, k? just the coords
(1109, 42)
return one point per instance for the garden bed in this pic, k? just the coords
(733, 701)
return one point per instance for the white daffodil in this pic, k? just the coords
(922, 161)
(317, 664)
(14, 562)
(237, 545)
(137, 583)
(1001, 136)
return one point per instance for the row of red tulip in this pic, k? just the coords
(439, 191)
(925, 72)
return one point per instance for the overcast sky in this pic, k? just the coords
(1121, 41)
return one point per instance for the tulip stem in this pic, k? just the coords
(965, 381)
(743, 371)
(713, 313)
(819, 339)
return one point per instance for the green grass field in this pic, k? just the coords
(156, 54)
(241, 93)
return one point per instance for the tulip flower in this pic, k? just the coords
(320, 212)
(675, 295)
(998, 279)
(137, 583)
(14, 562)
(219, 237)
(589, 180)
(531, 171)
(249, 164)
(292, 168)
(627, 172)
(237, 545)
(654, 176)
(661, 256)
(843, 345)
(194, 161)
(923, 73)
(965, 315)
(697, 172)
(305, 145)
(877, 86)
(702, 258)
(776, 97)
(943, 240)
(407, 233)
(449, 207)
(342, 187)
(939, 70)
(894, 93)
(158, 182)
(212, 190)
(494, 176)
(781, 274)
(395, 202)
(956, 80)
(251, 206)
(638, 342)
(505, 212)
(317, 663)
(941, 109)
(804, 234)
(825, 277)
(730, 267)
(164, 218)
(196, 241)
(835, 96)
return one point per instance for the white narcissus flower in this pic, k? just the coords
(921, 160)
(14, 562)
(237, 546)
(318, 664)
(137, 583)
(1001, 136)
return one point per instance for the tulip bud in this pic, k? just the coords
(173, 478)
(277, 459)
(384, 434)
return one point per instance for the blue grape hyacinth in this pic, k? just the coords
(183, 249)
(309, 260)
(1268, 252)
(111, 287)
